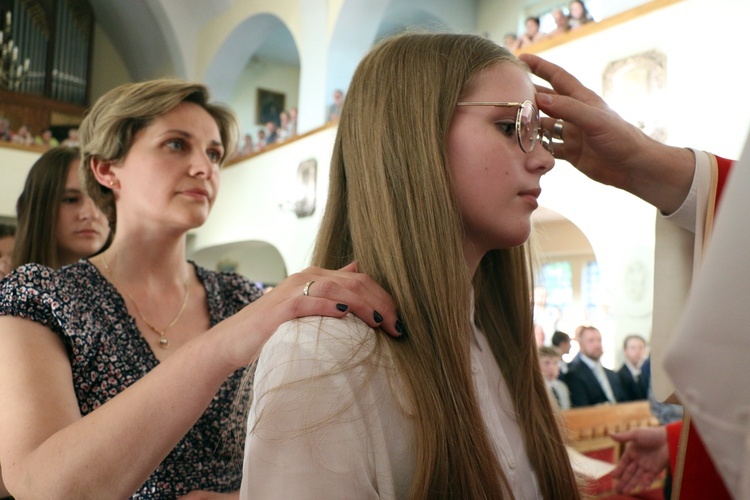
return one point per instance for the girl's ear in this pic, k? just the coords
(104, 173)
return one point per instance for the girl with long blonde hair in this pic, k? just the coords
(434, 177)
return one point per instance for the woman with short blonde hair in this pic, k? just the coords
(119, 371)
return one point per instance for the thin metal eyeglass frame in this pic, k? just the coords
(537, 136)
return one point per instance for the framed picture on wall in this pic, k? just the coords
(268, 106)
(635, 88)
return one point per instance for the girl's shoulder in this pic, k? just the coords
(308, 347)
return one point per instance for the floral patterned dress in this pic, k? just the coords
(107, 354)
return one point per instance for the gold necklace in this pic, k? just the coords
(163, 340)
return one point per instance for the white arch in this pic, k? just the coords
(361, 22)
(236, 50)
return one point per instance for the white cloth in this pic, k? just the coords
(335, 424)
(708, 358)
(678, 251)
(559, 393)
(635, 371)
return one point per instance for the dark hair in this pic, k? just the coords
(37, 208)
(559, 337)
(631, 337)
(7, 230)
(533, 18)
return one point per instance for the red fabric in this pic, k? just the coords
(700, 479)
(724, 167)
(673, 441)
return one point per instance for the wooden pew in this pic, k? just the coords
(587, 430)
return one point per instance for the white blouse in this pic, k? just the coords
(336, 424)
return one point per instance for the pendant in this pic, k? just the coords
(164, 343)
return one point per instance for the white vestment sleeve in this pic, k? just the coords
(677, 254)
(709, 356)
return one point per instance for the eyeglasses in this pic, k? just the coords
(528, 130)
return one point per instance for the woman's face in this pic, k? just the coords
(576, 10)
(496, 183)
(170, 177)
(82, 229)
(532, 28)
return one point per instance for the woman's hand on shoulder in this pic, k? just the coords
(323, 292)
(317, 292)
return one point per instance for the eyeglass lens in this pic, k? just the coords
(527, 126)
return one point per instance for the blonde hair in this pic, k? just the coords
(391, 207)
(109, 128)
(548, 351)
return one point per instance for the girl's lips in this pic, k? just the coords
(196, 193)
(88, 232)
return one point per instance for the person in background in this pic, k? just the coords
(247, 147)
(46, 139)
(579, 14)
(23, 136)
(272, 135)
(510, 40)
(539, 335)
(532, 34)
(261, 142)
(284, 133)
(589, 382)
(561, 341)
(7, 241)
(562, 24)
(549, 359)
(458, 408)
(72, 141)
(633, 382)
(119, 371)
(6, 134)
(58, 223)
(293, 112)
(334, 112)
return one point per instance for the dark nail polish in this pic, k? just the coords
(377, 317)
(342, 307)
(401, 329)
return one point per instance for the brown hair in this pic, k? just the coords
(109, 128)
(38, 205)
(7, 230)
(391, 207)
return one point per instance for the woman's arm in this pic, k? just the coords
(49, 451)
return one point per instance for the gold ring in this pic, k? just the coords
(306, 289)
(557, 129)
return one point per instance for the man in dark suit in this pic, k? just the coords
(589, 382)
(633, 381)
